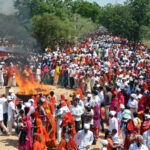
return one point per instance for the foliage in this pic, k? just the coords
(48, 28)
(77, 18)
(119, 21)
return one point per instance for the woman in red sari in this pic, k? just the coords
(68, 134)
(42, 131)
(131, 132)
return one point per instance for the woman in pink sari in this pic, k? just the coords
(28, 124)
(96, 117)
(25, 141)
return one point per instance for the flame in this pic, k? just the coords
(29, 86)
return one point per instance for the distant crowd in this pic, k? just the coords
(110, 77)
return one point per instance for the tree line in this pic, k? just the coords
(48, 21)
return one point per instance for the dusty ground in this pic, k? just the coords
(10, 142)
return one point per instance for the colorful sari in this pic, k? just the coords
(51, 130)
(46, 79)
(28, 125)
(42, 131)
(25, 141)
(96, 117)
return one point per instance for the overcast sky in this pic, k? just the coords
(105, 2)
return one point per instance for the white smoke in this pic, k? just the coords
(7, 7)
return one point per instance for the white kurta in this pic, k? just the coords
(113, 124)
(103, 148)
(85, 139)
(133, 104)
(77, 111)
(2, 101)
(146, 138)
(60, 113)
(14, 80)
(38, 75)
(11, 107)
(1, 78)
(135, 147)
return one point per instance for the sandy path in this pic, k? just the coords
(10, 142)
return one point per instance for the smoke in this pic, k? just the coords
(12, 28)
(7, 7)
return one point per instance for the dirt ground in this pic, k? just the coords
(10, 142)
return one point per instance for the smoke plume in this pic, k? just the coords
(7, 7)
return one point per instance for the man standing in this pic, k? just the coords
(139, 144)
(38, 74)
(146, 138)
(11, 113)
(84, 138)
(1, 76)
(76, 112)
(113, 122)
(2, 101)
(133, 104)
(5, 114)
(71, 73)
(108, 101)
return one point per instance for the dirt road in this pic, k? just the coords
(11, 142)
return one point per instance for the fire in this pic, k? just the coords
(29, 86)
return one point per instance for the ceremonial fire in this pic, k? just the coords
(29, 86)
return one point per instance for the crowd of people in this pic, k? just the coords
(110, 77)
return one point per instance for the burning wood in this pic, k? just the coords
(29, 85)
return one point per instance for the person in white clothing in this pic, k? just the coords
(61, 110)
(95, 98)
(120, 117)
(79, 101)
(84, 138)
(12, 94)
(104, 143)
(101, 94)
(115, 137)
(5, 114)
(88, 101)
(146, 138)
(1, 76)
(113, 122)
(139, 144)
(133, 104)
(38, 74)
(32, 109)
(11, 113)
(76, 112)
(2, 101)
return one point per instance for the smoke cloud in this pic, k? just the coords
(7, 7)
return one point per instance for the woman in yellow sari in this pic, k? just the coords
(56, 76)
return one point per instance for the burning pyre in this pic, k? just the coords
(28, 86)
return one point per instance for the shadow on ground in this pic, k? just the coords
(10, 142)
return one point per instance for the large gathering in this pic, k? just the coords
(110, 84)
(74, 75)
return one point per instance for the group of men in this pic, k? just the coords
(110, 77)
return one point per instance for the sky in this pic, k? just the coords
(105, 2)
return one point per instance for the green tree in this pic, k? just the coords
(119, 21)
(48, 28)
(87, 9)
